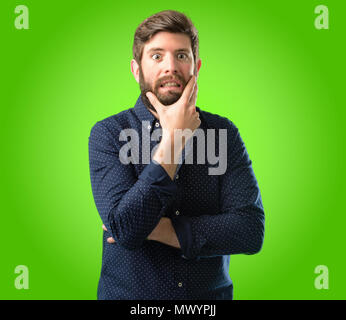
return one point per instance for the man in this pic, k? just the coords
(170, 226)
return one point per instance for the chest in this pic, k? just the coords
(198, 192)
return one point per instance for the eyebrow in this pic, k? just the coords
(161, 49)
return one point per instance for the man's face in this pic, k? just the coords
(167, 65)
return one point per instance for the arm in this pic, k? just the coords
(130, 207)
(163, 232)
(239, 227)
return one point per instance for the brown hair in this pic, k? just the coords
(169, 21)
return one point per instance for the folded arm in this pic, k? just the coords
(130, 207)
(239, 227)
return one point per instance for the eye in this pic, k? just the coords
(156, 56)
(182, 56)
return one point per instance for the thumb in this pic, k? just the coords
(155, 102)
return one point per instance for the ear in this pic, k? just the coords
(198, 65)
(135, 69)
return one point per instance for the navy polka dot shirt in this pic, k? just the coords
(213, 216)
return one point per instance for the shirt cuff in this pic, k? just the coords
(158, 178)
(182, 227)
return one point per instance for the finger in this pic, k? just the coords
(193, 99)
(198, 121)
(110, 240)
(189, 89)
(104, 227)
(155, 114)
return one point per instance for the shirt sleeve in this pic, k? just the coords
(239, 227)
(129, 206)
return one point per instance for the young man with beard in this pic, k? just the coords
(170, 226)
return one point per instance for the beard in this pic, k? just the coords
(166, 99)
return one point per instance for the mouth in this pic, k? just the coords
(171, 85)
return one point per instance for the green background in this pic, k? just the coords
(264, 66)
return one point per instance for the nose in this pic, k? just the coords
(170, 64)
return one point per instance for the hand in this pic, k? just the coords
(150, 237)
(163, 232)
(110, 239)
(179, 115)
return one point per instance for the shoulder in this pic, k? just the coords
(216, 121)
(112, 125)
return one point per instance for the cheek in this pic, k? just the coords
(188, 68)
(188, 72)
(149, 77)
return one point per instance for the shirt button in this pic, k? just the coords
(180, 284)
(177, 212)
(149, 126)
(177, 176)
(157, 124)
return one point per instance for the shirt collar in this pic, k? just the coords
(144, 114)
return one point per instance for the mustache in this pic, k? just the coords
(169, 78)
(154, 87)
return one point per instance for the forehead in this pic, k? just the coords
(168, 41)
